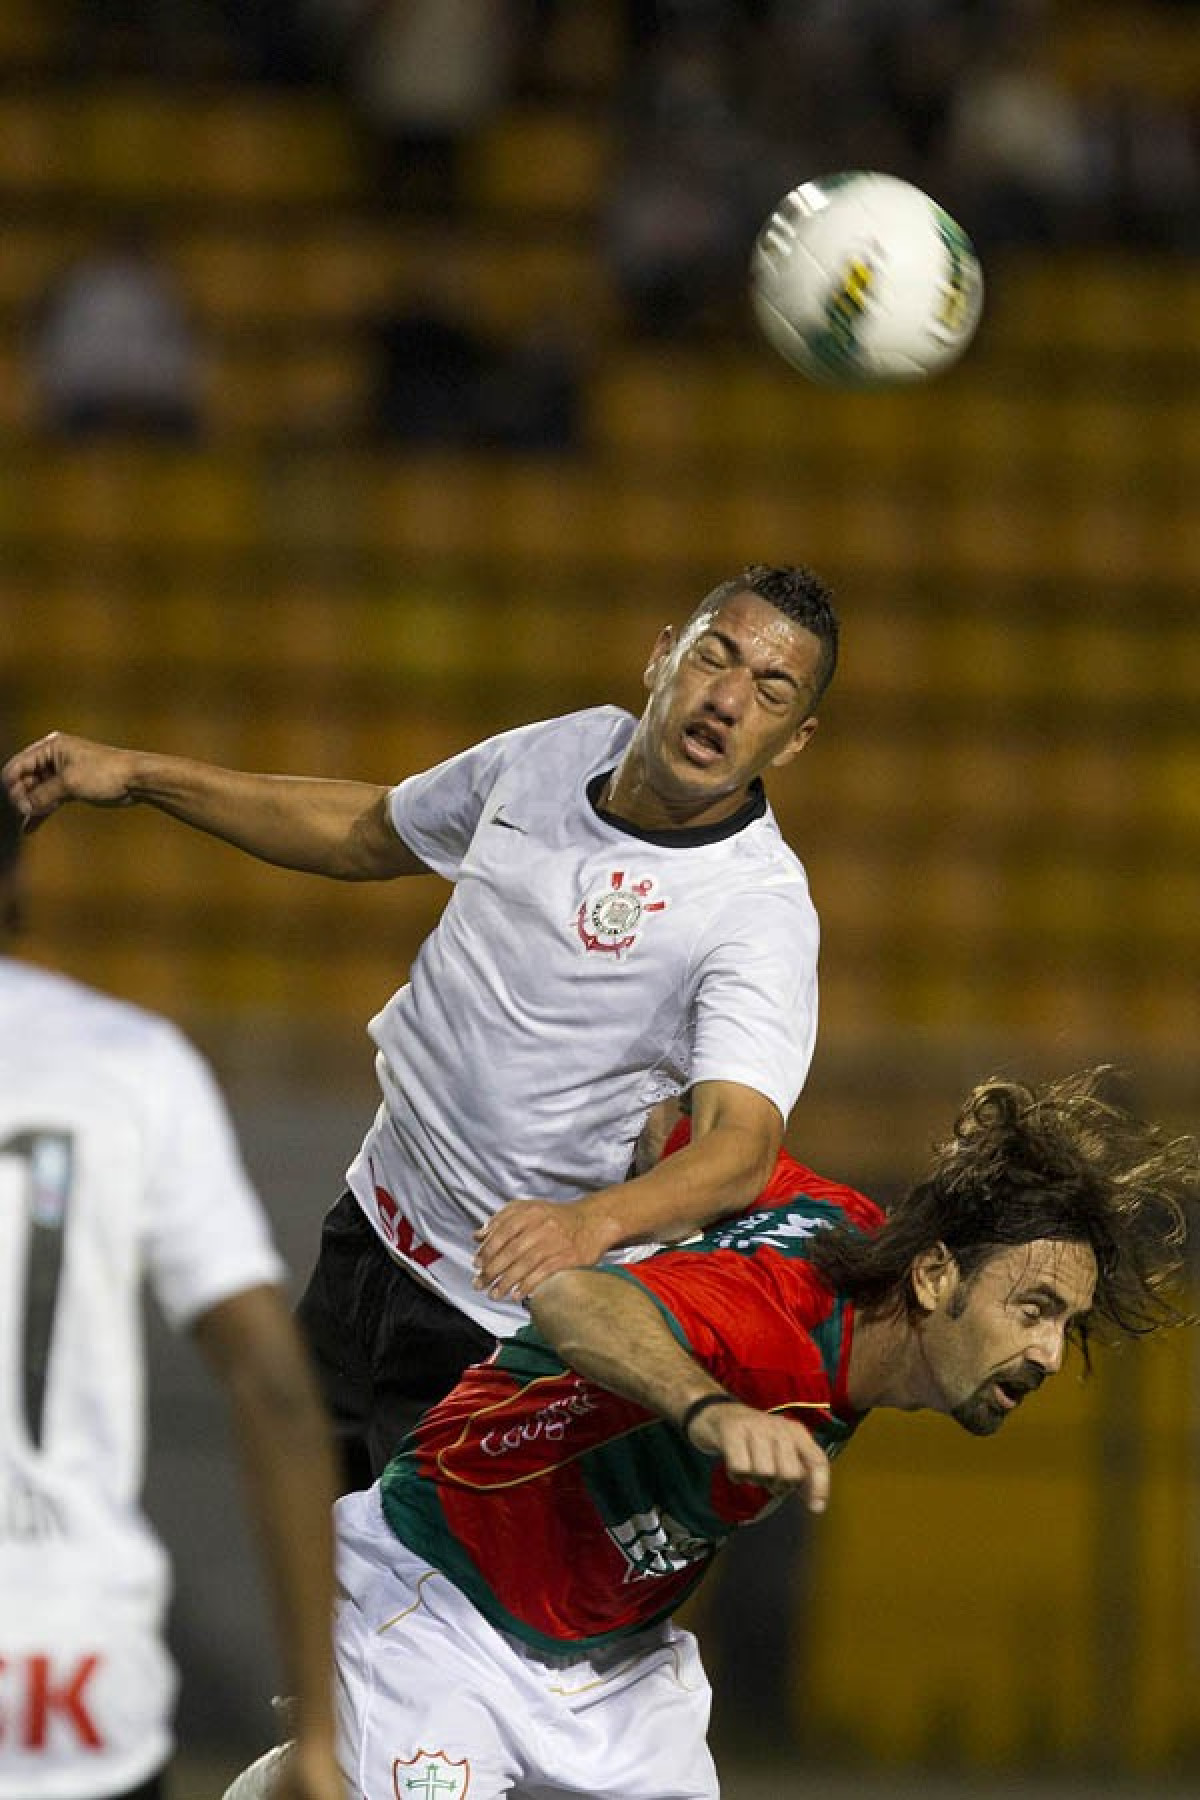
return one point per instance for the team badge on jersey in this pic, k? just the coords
(653, 1544)
(611, 920)
(431, 1775)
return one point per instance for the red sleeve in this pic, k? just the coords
(746, 1318)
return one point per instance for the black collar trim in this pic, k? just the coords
(687, 836)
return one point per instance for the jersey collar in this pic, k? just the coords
(687, 836)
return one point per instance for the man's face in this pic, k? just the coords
(731, 698)
(990, 1340)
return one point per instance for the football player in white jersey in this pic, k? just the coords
(627, 923)
(118, 1166)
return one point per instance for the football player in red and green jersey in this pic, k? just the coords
(526, 1455)
(506, 1589)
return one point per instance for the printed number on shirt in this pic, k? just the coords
(43, 1163)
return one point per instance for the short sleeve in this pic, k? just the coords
(755, 1014)
(207, 1236)
(737, 1314)
(437, 812)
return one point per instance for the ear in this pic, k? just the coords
(795, 743)
(933, 1277)
(664, 643)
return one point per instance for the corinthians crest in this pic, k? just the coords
(431, 1775)
(610, 920)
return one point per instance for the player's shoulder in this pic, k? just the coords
(570, 747)
(794, 1183)
(586, 730)
(590, 731)
(56, 1009)
(750, 860)
(759, 897)
(794, 1207)
(768, 858)
(592, 728)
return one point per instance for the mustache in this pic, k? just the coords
(1026, 1379)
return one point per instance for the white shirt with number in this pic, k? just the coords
(581, 972)
(117, 1164)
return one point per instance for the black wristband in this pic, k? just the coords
(692, 1413)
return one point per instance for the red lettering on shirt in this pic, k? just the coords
(399, 1232)
(47, 1692)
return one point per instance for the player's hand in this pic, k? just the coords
(58, 768)
(769, 1449)
(528, 1240)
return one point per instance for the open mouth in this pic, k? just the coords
(703, 743)
(1009, 1393)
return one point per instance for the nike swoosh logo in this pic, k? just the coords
(498, 818)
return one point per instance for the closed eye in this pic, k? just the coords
(711, 656)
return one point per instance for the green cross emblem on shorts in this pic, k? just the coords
(429, 1784)
(435, 1776)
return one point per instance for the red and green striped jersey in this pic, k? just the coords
(572, 1517)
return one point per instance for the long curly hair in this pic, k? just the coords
(1055, 1161)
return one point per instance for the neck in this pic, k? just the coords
(628, 795)
(887, 1364)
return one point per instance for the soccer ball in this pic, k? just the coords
(861, 280)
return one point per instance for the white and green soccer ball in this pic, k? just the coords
(862, 280)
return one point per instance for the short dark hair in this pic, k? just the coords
(10, 833)
(1024, 1162)
(801, 596)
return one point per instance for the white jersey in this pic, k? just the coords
(117, 1162)
(581, 972)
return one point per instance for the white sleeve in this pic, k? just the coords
(437, 812)
(206, 1234)
(754, 1020)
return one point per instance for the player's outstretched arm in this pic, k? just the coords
(285, 1448)
(609, 1330)
(736, 1134)
(335, 828)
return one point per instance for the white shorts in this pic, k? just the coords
(434, 1703)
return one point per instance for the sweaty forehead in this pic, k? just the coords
(760, 630)
(1063, 1267)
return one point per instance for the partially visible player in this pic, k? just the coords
(118, 1166)
(506, 1590)
(627, 922)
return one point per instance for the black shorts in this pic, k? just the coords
(385, 1345)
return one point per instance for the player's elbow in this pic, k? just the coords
(255, 1351)
(373, 850)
